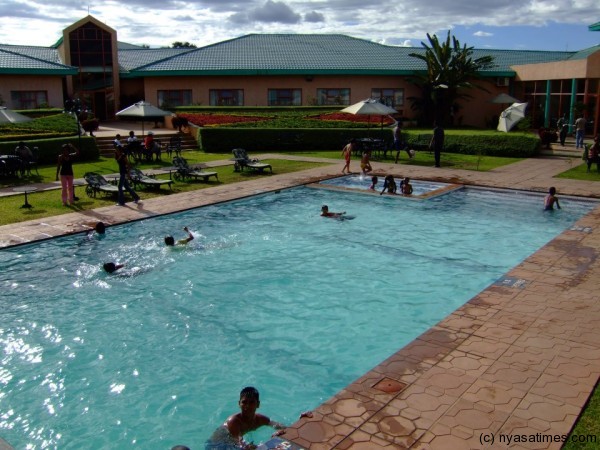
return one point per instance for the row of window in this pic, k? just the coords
(232, 97)
(278, 97)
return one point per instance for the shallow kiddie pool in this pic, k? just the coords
(269, 294)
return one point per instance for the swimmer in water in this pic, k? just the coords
(170, 241)
(325, 212)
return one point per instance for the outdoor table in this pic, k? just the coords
(25, 190)
(374, 145)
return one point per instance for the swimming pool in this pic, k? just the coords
(362, 182)
(269, 294)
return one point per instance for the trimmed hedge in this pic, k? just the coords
(223, 140)
(49, 149)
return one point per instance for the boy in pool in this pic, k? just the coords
(231, 433)
(551, 199)
(406, 187)
(390, 185)
(325, 212)
(365, 163)
(170, 241)
(374, 181)
(111, 267)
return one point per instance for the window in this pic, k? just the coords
(181, 97)
(388, 96)
(29, 99)
(285, 97)
(333, 96)
(226, 97)
(502, 81)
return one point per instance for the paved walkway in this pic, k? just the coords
(519, 359)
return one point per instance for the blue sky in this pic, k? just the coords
(510, 24)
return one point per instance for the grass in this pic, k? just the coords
(48, 203)
(588, 424)
(425, 158)
(580, 173)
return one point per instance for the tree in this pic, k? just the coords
(450, 70)
(185, 44)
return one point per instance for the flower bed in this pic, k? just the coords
(207, 120)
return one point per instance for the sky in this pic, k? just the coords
(494, 24)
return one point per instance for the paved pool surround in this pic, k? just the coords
(518, 360)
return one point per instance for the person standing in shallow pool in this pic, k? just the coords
(551, 199)
(231, 433)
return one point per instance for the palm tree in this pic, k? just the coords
(450, 70)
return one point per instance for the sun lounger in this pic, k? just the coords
(185, 171)
(140, 178)
(242, 160)
(97, 183)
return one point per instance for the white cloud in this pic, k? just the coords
(202, 22)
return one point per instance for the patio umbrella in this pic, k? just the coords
(10, 116)
(370, 107)
(511, 116)
(504, 98)
(142, 111)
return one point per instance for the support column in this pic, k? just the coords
(572, 106)
(547, 106)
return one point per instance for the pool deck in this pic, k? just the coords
(519, 360)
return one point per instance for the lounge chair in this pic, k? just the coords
(140, 178)
(183, 171)
(243, 160)
(97, 183)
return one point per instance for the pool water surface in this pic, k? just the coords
(269, 294)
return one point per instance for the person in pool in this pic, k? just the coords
(406, 187)
(326, 213)
(389, 184)
(231, 433)
(170, 240)
(374, 181)
(551, 199)
(111, 267)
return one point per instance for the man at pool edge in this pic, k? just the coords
(232, 432)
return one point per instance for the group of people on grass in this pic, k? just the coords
(64, 169)
(137, 148)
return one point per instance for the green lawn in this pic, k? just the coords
(48, 203)
(580, 173)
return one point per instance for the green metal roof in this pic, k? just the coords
(279, 54)
(29, 60)
(594, 27)
(273, 54)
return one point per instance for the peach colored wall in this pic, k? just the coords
(475, 112)
(50, 83)
(552, 71)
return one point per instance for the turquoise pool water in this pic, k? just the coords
(363, 182)
(268, 294)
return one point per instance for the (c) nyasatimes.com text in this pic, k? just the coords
(490, 438)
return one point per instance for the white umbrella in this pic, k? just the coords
(142, 111)
(10, 116)
(511, 115)
(370, 107)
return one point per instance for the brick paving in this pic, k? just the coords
(519, 359)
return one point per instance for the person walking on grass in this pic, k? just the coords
(124, 177)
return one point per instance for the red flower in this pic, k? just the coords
(203, 120)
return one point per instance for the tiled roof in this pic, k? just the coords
(256, 54)
(274, 54)
(21, 59)
(583, 54)
(131, 58)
